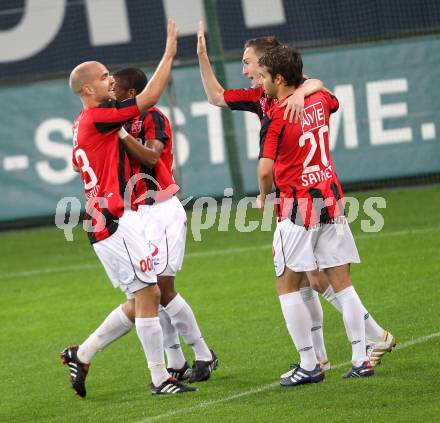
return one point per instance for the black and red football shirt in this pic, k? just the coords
(103, 163)
(153, 125)
(307, 187)
(249, 100)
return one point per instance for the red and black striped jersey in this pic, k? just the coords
(307, 187)
(103, 163)
(249, 100)
(153, 125)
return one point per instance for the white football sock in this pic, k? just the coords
(330, 296)
(299, 325)
(373, 331)
(150, 335)
(311, 301)
(171, 343)
(183, 319)
(115, 325)
(353, 315)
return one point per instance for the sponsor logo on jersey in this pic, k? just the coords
(313, 117)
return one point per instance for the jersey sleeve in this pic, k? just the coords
(270, 135)
(74, 162)
(157, 127)
(332, 101)
(111, 115)
(246, 99)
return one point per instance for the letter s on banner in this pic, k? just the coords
(56, 150)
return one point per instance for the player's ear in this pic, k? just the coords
(86, 89)
(279, 80)
(132, 93)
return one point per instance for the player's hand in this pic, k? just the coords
(172, 35)
(294, 106)
(260, 203)
(201, 40)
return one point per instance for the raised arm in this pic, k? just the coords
(156, 85)
(214, 91)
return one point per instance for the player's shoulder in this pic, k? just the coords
(254, 93)
(324, 97)
(320, 95)
(155, 111)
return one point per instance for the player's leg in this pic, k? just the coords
(293, 255)
(176, 362)
(311, 301)
(334, 250)
(183, 319)
(373, 331)
(378, 340)
(154, 218)
(171, 215)
(119, 322)
(115, 325)
(149, 332)
(299, 325)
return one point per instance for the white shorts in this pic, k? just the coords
(165, 225)
(125, 256)
(302, 250)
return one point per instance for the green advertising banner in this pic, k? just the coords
(387, 126)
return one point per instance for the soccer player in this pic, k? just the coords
(114, 225)
(254, 100)
(149, 143)
(312, 230)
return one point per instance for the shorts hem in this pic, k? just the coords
(327, 266)
(301, 269)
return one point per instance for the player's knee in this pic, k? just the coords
(167, 296)
(167, 290)
(129, 309)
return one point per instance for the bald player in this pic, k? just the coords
(114, 226)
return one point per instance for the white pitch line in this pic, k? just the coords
(263, 388)
(207, 253)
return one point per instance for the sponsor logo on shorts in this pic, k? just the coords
(154, 251)
(146, 264)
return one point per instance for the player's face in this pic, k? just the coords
(120, 92)
(251, 69)
(269, 86)
(102, 83)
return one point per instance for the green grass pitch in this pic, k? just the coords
(54, 293)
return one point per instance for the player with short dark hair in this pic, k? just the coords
(312, 230)
(114, 222)
(150, 146)
(254, 100)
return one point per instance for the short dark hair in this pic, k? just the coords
(284, 61)
(260, 45)
(132, 78)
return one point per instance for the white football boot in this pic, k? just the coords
(376, 350)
